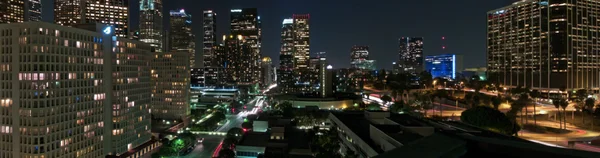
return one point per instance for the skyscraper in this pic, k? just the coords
(301, 40)
(552, 44)
(171, 86)
(237, 58)
(76, 12)
(13, 11)
(268, 72)
(87, 97)
(358, 54)
(210, 38)
(411, 54)
(285, 78)
(151, 23)
(246, 22)
(181, 35)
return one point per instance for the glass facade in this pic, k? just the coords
(15, 11)
(444, 66)
(286, 58)
(411, 54)
(545, 44)
(246, 22)
(151, 23)
(181, 35)
(210, 38)
(75, 12)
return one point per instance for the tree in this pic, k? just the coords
(489, 118)
(476, 100)
(557, 103)
(534, 95)
(517, 106)
(287, 109)
(564, 105)
(589, 104)
(496, 101)
(247, 125)
(386, 99)
(374, 107)
(226, 153)
(397, 106)
(235, 132)
(381, 75)
(426, 78)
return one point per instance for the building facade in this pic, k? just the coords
(181, 37)
(15, 11)
(236, 55)
(553, 45)
(268, 72)
(151, 23)
(210, 38)
(77, 12)
(411, 54)
(89, 92)
(170, 86)
(285, 78)
(301, 35)
(447, 66)
(246, 22)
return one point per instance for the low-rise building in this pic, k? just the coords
(381, 134)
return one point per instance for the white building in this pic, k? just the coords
(68, 92)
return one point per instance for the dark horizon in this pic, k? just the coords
(338, 25)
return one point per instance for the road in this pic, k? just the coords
(209, 147)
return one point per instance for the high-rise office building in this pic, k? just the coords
(359, 58)
(237, 60)
(181, 37)
(268, 71)
(14, 11)
(246, 22)
(171, 85)
(86, 94)
(76, 12)
(285, 78)
(301, 36)
(447, 66)
(210, 38)
(151, 23)
(411, 54)
(294, 73)
(545, 45)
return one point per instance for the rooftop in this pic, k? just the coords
(260, 139)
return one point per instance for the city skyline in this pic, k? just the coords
(464, 29)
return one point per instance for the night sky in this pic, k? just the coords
(337, 25)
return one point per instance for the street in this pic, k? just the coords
(211, 142)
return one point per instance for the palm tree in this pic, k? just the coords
(556, 103)
(442, 94)
(564, 104)
(496, 102)
(519, 104)
(534, 94)
(589, 103)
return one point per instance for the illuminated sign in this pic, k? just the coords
(236, 10)
(107, 30)
(288, 21)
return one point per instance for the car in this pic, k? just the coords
(200, 140)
